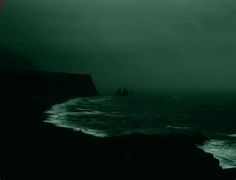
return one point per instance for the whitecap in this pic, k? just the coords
(93, 132)
(224, 150)
(177, 127)
(232, 135)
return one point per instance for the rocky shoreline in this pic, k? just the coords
(33, 149)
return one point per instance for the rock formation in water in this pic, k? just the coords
(123, 92)
(31, 149)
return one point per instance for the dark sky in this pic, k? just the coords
(128, 43)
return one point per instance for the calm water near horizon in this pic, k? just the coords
(212, 114)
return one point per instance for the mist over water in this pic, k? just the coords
(132, 43)
(212, 114)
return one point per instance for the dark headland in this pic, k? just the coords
(31, 149)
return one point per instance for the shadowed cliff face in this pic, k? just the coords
(46, 87)
(12, 61)
(26, 94)
(27, 142)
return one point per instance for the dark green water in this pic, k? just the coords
(212, 114)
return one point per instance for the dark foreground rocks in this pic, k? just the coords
(57, 153)
(31, 149)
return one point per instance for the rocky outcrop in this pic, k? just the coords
(31, 149)
(43, 85)
(46, 88)
(25, 95)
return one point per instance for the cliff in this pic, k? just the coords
(25, 95)
(47, 86)
(31, 149)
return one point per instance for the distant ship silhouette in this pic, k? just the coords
(124, 92)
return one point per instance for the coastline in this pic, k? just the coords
(29, 142)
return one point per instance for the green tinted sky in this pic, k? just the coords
(132, 43)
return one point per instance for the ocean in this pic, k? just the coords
(212, 114)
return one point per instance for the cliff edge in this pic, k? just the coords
(43, 85)
(25, 95)
(31, 149)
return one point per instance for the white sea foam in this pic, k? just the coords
(93, 132)
(223, 150)
(232, 135)
(105, 116)
(177, 127)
